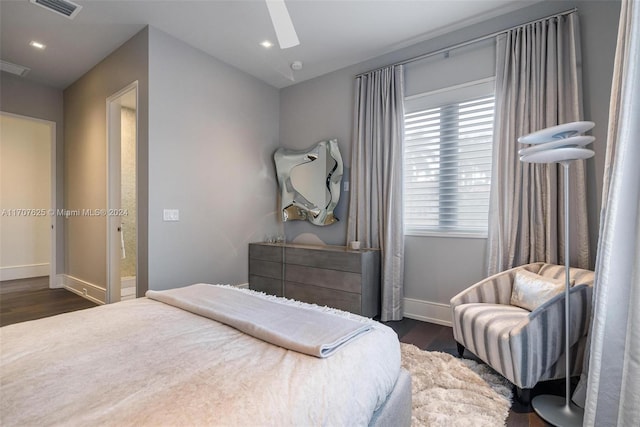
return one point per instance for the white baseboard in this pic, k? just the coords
(16, 272)
(427, 311)
(85, 289)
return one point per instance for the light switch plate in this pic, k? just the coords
(171, 215)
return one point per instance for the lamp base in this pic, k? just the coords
(554, 410)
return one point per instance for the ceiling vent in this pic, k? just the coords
(61, 7)
(18, 70)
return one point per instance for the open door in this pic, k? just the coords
(122, 194)
(27, 198)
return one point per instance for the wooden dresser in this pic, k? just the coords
(325, 275)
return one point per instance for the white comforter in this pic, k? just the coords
(143, 362)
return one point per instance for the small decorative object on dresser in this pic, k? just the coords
(334, 276)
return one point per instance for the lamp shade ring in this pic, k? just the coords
(553, 133)
(557, 155)
(574, 141)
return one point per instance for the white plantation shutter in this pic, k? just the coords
(447, 163)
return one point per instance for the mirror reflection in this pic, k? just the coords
(310, 182)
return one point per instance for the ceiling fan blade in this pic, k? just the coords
(285, 32)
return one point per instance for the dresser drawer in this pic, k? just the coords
(265, 252)
(341, 260)
(258, 267)
(332, 279)
(266, 284)
(323, 296)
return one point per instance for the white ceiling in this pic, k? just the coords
(333, 34)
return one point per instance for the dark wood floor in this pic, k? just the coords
(29, 299)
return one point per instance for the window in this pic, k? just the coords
(447, 160)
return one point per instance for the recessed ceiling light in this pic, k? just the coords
(266, 44)
(37, 45)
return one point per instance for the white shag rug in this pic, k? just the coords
(451, 392)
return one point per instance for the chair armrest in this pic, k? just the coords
(494, 289)
(538, 342)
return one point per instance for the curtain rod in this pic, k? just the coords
(468, 42)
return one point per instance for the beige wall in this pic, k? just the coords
(25, 98)
(86, 161)
(25, 183)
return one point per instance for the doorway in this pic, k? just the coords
(122, 194)
(28, 198)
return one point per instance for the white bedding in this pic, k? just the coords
(285, 323)
(143, 362)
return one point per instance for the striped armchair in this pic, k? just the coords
(526, 347)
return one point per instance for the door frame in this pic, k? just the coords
(52, 209)
(113, 143)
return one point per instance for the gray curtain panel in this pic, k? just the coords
(375, 205)
(612, 377)
(538, 84)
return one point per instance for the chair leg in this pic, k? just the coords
(460, 349)
(523, 395)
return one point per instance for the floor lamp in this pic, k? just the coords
(560, 144)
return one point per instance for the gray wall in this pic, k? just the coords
(212, 131)
(438, 268)
(20, 96)
(314, 111)
(85, 154)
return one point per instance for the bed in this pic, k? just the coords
(173, 358)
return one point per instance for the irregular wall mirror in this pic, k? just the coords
(310, 182)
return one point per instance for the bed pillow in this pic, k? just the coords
(531, 290)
